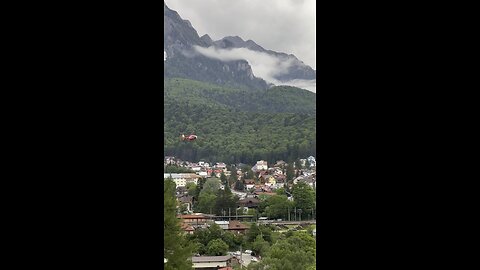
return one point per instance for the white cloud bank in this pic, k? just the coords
(263, 65)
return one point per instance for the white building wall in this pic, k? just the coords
(201, 265)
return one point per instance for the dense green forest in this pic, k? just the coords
(238, 125)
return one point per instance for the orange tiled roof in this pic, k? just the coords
(236, 225)
(186, 227)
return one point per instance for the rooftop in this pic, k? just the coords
(191, 216)
(211, 258)
(236, 225)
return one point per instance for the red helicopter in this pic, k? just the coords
(188, 138)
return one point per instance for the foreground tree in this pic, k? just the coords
(297, 251)
(177, 250)
(217, 247)
(224, 201)
(260, 246)
(304, 197)
(277, 206)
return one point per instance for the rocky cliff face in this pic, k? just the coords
(183, 61)
(297, 70)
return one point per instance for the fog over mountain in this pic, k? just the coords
(281, 25)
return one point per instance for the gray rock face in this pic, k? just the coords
(206, 38)
(298, 70)
(182, 61)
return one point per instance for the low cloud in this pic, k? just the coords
(310, 85)
(280, 25)
(263, 65)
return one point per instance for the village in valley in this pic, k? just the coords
(243, 200)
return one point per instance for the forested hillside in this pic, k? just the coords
(276, 99)
(238, 125)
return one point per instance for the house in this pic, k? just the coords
(222, 224)
(196, 168)
(249, 183)
(249, 202)
(237, 227)
(280, 181)
(278, 171)
(312, 161)
(298, 179)
(203, 174)
(262, 174)
(262, 165)
(270, 181)
(310, 180)
(194, 219)
(221, 166)
(280, 163)
(211, 262)
(217, 172)
(303, 162)
(187, 228)
(268, 193)
(241, 195)
(181, 179)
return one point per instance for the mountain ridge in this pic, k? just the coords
(183, 60)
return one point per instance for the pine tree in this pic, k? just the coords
(223, 178)
(239, 186)
(176, 250)
(233, 176)
(290, 172)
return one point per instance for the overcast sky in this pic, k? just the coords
(281, 25)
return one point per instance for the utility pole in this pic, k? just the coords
(241, 261)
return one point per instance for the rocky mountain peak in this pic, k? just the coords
(207, 39)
